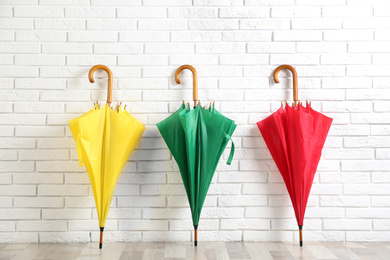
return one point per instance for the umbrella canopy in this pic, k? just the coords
(295, 136)
(197, 139)
(104, 140)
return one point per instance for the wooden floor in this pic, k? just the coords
(204, 251)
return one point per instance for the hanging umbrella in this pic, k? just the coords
(196, 139)
(295, 137)
(105, 138)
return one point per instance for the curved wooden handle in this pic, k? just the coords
(295, 79)
(195, 80)
(110, 79)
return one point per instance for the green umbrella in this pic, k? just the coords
(197, 139)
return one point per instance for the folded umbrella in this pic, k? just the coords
(295, 137)
(196, 139)
(105, 138)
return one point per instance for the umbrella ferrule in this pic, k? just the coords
(101, 237)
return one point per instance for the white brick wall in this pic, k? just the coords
(340, 49)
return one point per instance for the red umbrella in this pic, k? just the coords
(295, 136)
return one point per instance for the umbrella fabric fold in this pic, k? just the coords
(104, 140)
(197, 139)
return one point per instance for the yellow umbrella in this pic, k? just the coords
(105, 138)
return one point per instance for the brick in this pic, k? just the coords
(38, 202)
(18, 95)
(162, 25)
(366, 142)
(264, 24)
(61, 237)
(207, 224)
(169, 48)
(166, 236)
(305, 12)
(142, 178)
(379, 201)
(298, 36)
(381, 224)
(137, 36)
(162, 190)
(118, 236)
(167, 3)
(182, 201)
(316, 24)
(142, 12)
(7, 226)
(322, 47)
(197, 59)
(19, 237)
(142, 201)
(291, 224)
(267, 236)
(12, 143)
(193, 13)
(6, 108)
(37, 178)
(217, 2)
(61, 3)
(345, 201)
(346, 59)
(141, 225)
(40, 36)
(243, 59)
(38, 11)
(93, 36)
(7, 155)
(63, 190)
(382, 153)
(346, 11)
(243, 12)
(20, 71)
(329, 177)
(116, 2)
(84, 202)
(55, 143)
(222, 213)
(110, 48)
(27, 131)
(363, 213)
(368, 47)
(367, 189)
(16, 166)
(16, 23)
(246, 36)
(238, 201)
(298, 59)
(274, 47)
(87, 60)
(220, 48)
(58, 24)
(93, 12)
(40, 226)
(70, 48)
(213, 24)
(113, 24)
(348, 35)
(6, 83)
(32, 83)
(91, 225)
(19, 214)
(243, 177)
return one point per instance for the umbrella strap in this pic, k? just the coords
(229, 161)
